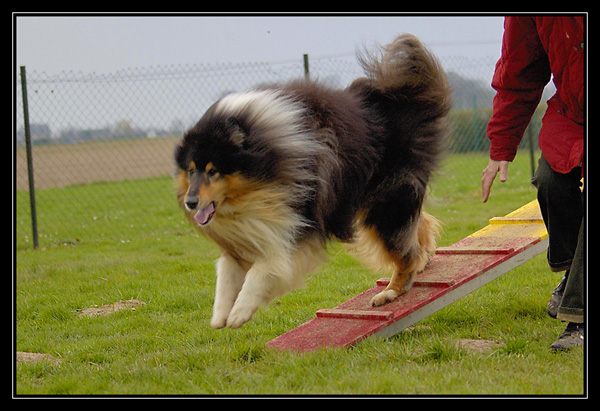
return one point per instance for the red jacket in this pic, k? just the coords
(533, 49)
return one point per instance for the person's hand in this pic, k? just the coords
(489, 174)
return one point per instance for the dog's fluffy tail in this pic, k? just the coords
(408, 87)
(406, 63)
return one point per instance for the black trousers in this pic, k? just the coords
(562, 203)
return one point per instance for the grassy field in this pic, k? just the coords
(167, 346)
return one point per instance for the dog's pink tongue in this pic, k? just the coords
(204, 215)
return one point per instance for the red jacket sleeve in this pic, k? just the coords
(519, 79)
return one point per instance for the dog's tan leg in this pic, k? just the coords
(400, 283)
(412, 263)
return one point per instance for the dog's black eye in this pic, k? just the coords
(212, 172)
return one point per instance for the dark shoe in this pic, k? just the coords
(557, 296)
(572, 336)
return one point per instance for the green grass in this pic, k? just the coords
(167, 346)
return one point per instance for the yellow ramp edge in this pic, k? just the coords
(525, 221)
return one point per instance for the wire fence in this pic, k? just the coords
(102, 143)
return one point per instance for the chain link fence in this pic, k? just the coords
(102, 143)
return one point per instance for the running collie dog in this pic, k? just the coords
(273, 173)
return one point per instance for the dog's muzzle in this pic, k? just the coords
(191, 203)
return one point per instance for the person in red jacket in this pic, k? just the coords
(534, 49)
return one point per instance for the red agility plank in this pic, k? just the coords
(452, 273)
(343, 331)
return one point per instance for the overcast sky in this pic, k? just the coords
(104, 44)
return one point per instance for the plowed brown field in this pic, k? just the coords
(60, 165)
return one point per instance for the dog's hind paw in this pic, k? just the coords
(384, 297)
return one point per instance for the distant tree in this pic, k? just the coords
(470, 93)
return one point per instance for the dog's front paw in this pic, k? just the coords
(218, 321)
(239, 317)
(384, 297)
(220, 314)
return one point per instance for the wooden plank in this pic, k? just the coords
(471, 250)
(456, 293)
(452, 273)
(354, 314)
(423, 282)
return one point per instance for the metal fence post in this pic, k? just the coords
(29, 159)
(306, 71)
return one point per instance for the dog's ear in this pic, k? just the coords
(237, 134)
(180, 155)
